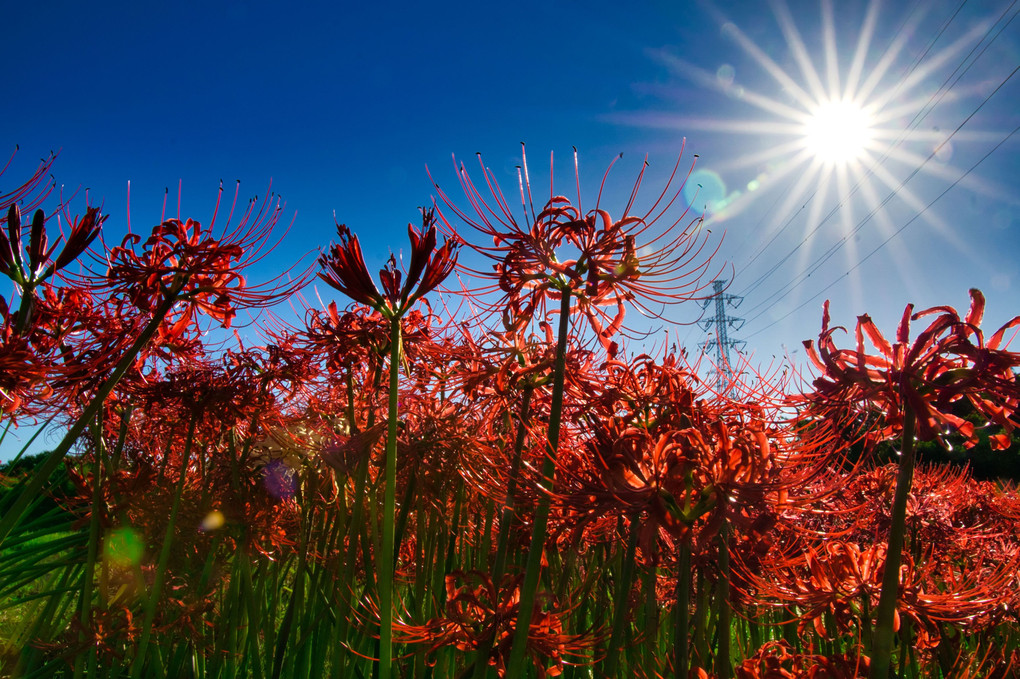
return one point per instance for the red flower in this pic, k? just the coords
(948, 361)
(185, 260)
(345, 269)
(477, 610)
(602, 262)
(39, 266)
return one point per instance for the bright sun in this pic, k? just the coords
(837, 132)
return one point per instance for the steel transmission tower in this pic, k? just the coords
(721, 341)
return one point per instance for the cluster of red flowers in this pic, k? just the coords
(665, 498)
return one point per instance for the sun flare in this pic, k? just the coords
(838, 132)
(848, 142)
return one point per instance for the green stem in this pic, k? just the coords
(621, 604)
(88, 584)
(39, 478)
(681, 644)
(529, 590)
(164, 557)
(389, 501)
(723, 668)
(885, 614)
(506, 518)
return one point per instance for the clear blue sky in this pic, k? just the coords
(342, 105)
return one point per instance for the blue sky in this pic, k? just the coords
(343, 105)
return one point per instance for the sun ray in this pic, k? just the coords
(937, 61)
(912, 201)
(900, 252)
(889, 57)
(800, 53)
(831, 58)
(861, 50)
(737, 126)
(981, 186)
(770, 66)
(814, 218)
(703, 77)
(766, 155)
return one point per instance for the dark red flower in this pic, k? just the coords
(345, 269)
(477, 610)
(948, 361)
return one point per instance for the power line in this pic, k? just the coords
(825, 256)
(896, 233)
(935, 98)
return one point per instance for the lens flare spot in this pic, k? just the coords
(725, 75)
(944, 152)
(705, 191)
(124, 547)
(279, 479)
(213, 520)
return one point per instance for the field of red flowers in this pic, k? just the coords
(462, 469)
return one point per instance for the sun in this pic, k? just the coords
(838, 132)
(848, 141)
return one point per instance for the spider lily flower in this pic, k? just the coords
(909, 387)
(477, 610)
(946, 362)
(603, 263)
(38, 267)
(186, 260)
(346, 271)
(29, 272)
(775, 659)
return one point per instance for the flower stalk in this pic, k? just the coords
(885, 615)
(529, 590)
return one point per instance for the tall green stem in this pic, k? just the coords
(156, 590)
(499, 566)
(885, 614)
(31, 489)
(681, 645)
(621, 601)
(723, 667)
(389, 501)
(529, 589)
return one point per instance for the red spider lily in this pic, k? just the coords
(477, 611)
(355, 341)
(652, 450)
(501, 364)
(186, 261)
(344, 453)
(948, 361)
(31, 193)
(21, 370)
(345, 269)
(349, 339)
(38, 267)
(610, 262)
(840, 581)
(29, 267)
(911, 387)
(777, 660)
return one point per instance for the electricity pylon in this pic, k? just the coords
(724, 376)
